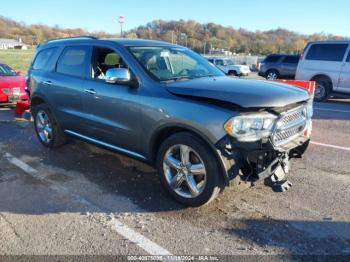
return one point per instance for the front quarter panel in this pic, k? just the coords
(202, 118)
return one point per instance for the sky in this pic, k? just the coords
(303, 16)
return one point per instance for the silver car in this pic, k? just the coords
(327, 63)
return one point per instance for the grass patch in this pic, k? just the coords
(17, 59)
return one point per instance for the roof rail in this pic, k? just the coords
(72, 37)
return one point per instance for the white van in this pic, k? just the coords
(327, 63)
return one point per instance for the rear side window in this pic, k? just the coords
(348, 59)
(272, 59)
(327, 52)
(219, 62)
(43, 58)
(291, 59)
(74, 61)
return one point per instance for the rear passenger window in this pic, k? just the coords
(348, 59)
(42, 59)
(219, 62)
(74, 61)
(291, 59)
(327, 52)
(272, 59)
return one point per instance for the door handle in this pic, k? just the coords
(90, 91)
(47, 83)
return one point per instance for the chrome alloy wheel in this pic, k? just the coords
(43, 126)
(271, 76)
(184, 171)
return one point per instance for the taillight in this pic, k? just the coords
(6, 91)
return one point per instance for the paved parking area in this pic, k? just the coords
(82, 200)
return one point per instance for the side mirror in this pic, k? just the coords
(118, 76)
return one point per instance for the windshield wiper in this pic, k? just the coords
(177, 78)
(201, 76)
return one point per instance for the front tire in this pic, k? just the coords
(188, 170)
(47, 129)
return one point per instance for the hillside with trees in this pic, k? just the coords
(34, 34)
(200, 37)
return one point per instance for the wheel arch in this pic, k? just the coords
(233, 71)
(272, 69)
(323, 76)
(166, 131)
(37, 100)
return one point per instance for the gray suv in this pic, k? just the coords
(279, 66)
(167, 106)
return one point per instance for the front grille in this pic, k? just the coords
(290, 125)
(292, 117)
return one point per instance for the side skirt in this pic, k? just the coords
(106, 145)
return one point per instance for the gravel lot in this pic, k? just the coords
(82, 200)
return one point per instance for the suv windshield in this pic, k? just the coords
(173, 63)
(5, 70)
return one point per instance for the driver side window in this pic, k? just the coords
(104, 59)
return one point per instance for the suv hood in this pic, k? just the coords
(244, 93)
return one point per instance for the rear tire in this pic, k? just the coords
(323, 89)
(47, 129)
(272, 75)
(176, 176)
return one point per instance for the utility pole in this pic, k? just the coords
(121, 20)
(184, 36)
(205, 27)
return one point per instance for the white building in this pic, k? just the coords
(12, 44)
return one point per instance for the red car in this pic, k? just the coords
(12, 86)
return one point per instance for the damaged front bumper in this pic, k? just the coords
(259, 160)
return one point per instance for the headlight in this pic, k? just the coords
(250, 128)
